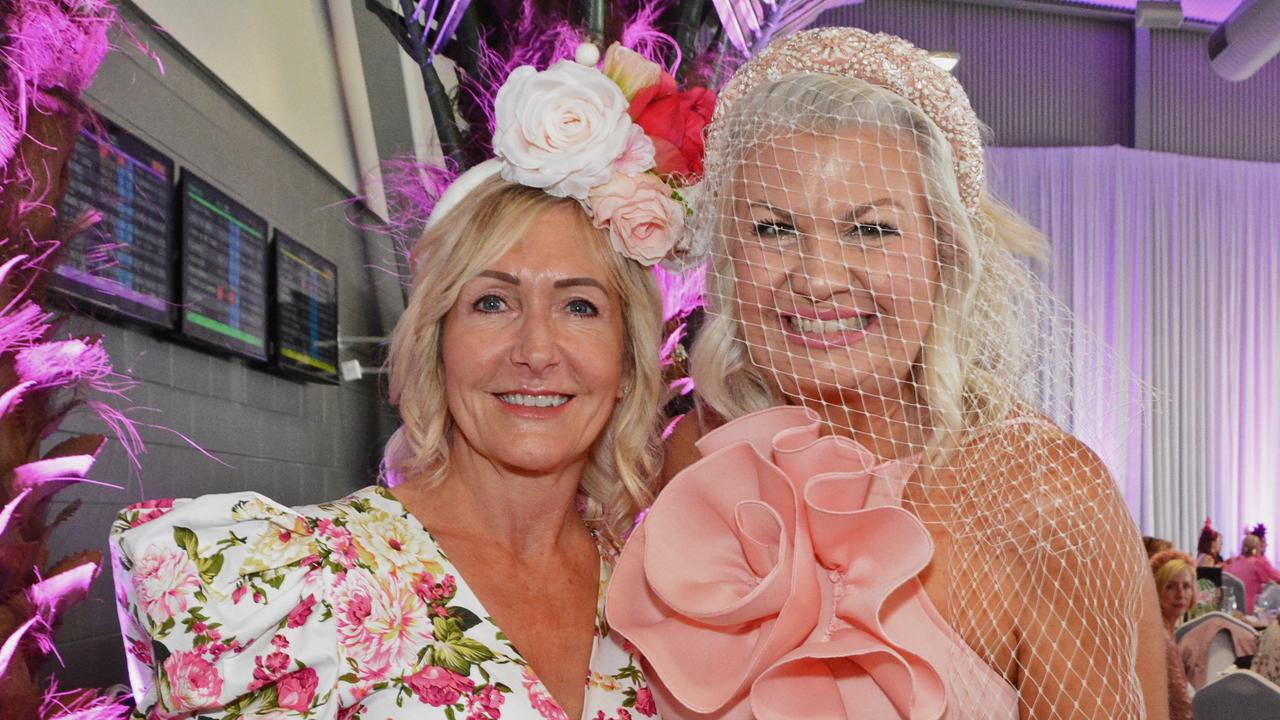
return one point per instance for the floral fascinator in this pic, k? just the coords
(620, 140)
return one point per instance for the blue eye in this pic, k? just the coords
(489, 304)
(586, 308)
(875, 231)
(771, 229)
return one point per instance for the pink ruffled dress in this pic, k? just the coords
(777, 578)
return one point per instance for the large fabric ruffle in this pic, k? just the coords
(776, 577)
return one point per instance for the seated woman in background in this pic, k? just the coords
(525, 370)
(1209, 547)
(1175, 576)
(1252, 566)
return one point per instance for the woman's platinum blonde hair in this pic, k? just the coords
(975, 330)
(860, 269)
(619, 478)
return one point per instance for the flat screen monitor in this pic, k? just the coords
(224, 271)
(123, 263)
(1213, 575)
(305, 320)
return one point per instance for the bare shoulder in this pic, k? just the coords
(1055, 490)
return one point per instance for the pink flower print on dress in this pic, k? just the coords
(296, 690)
(266, 669)
(298, 616)
(644, 702)
(192, 683)
(339, 541)
(141, 650)
(427, 588)
(148, 510)
(380, 621)
(164, 582)
(486, 703)
(539, 698)
(437, 686)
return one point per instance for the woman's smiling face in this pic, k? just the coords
(835, 258)
(534, 351)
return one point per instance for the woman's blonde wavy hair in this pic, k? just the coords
(620, 473)
(1166, 565)
(971, 346)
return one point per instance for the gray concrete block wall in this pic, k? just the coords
(298, 443)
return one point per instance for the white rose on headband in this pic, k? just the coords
(644, 220)
(560, 129)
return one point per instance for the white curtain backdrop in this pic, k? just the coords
(1174, 263)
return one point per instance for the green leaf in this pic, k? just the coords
(349, 678)
(209, 568)
(445, 628)
(187, 540)
(270, 697)
(459, 653)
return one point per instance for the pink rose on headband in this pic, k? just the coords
(560, 129)
(644, 221)
(638, 157)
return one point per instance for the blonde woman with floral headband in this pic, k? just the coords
(878, 520)
(525, 369)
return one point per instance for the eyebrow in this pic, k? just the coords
(770, 208)
(574, 281)
(860, 210)
(857, 212)
(504, 277)
(562, 283)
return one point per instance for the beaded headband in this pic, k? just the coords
(880, 59)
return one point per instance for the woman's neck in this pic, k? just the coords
(887, 423)
(523, 514)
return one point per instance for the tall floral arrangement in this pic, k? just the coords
(51, 50)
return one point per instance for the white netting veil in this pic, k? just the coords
(857, 267)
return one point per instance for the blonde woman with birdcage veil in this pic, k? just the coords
(881, 522)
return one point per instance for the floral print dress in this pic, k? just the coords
(233, 606)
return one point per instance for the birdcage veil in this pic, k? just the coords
(857, 266)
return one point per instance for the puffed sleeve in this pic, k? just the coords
(223, 609)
